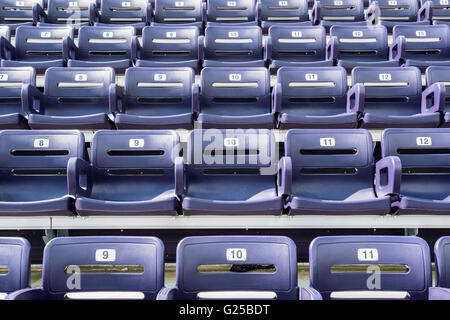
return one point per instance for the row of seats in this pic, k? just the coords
(234, 46)
(168, 98)
(227, 172)
(226, 267)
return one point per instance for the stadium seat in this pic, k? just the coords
(103, 47)
(74, 13)
(383, 267)
(439, 74)
(235, 98)
(223, 267)
(442, 259)
(391, 98)
(102, 268)
(184, 13)
(169, 46)
(365, 46)
(33, 166)
(330, 12)
(296, 46)
(134, 13)
(14, 265)
(415, 170)
(233, 46)
(421, 46)
(12, 83)
(158, 98)
(330, 172)
(312, 98)
(241, 12)
(131, 173)
(232, 175)
(73, 98)
(439, 11)
(19, 13)
(38, 47)
(291, 12)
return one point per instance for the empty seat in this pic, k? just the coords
(236, 268)
(12, 83)
(19, 13)
(103, 47)
(416, 170)
(439, 11)
(290, 12)
(234, 175)
(135, 13)
(442, 259)
(74, 13)
(242, 12)
(330, 12)
(370, 267)
(359, 46)
(169, 46)
(33, 166)
(131, 173)
(312, 98)
(233, 46)
(421, 46)
(185, 13)
(235, 98)
(14, 265)
(158, 98)
(103, 268)
(390, 97)
(296, 46)
(330, 172)
(73, 98)
(434, 75)
(38, 47)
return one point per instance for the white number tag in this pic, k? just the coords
(367, 254)
(41, 143)
(73, 4)
(385, 77)
(282, 3)
(231, 3)
(136, 143)
(233, 34)
(392, 2)
(424, 141)
(311, 77)
(443, 2)
(421, 33)
(327, 142)
(235, 77)
(80, 77)
(3, 77)
(231, 142)
(171, 34)
(108, 34)
(107, 255)
(338, 2)
(179, 3)
(46, 34)
(357, 34)
(160, 77)
(236, 254)
(20, 3)
(296, 34)
(126, 4)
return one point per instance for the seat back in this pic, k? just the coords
(5, 32)
(158, 91)
(68, 12)
(77, 91)
(233, 43)
(439, 9)
(235, 91)
(441, 74)
(297, 43)
(12, 11)
(360, 43)
(442, 259)
(99, 264)
(170, 43)
(399, 10)
(176, 12)
(388, 86)
(11, 82)
(283, 11)
(105, 43)
(425, 42)
(14, 264)
(313, 91)
(41, 43)
(341, 11)
(122, 12)
(218, 263)
(344, 264)
(238, 11)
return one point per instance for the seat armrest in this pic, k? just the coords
(397, 49)
(438, 293)
(149, 15)
(433, 98)
(167, 294)
(276, 98)
(115, 98)
(424, 13)
(76, 169)
(93, 13)
(27, 294)
(315, 13)
(268, 49)
(331, 49)
(38, 13)
(134, 48)
(195, 100)
(310, 294)
(356, 97)
(388, 176)
(8, 52)
(372, 13)
(32, 99)
(179, 176)
(284, 177)
(70, 49)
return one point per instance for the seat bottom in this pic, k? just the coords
(424, 64)
(343, 120)
(13, 121)
(421, 120)
(252, 63)
(262, 121)
(277, 64)
(52, 207)
(412, 205)
(168, 64)
(118, 65)
(350, 64)
(85, 122)
(179, 121)
(39, 66)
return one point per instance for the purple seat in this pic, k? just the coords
(19, 13)
(312, 97)
(33, 169)
(439, 13)
(442, 259)
(441, 75)
(328, 13)
(92, 268)
(15, 260)
(239, 12)
(131, 173)
(204, 271)
(158, 98)
(330, 172)
(235, 98)
(233, 176)
(74, 13)
(73, 98)
(133, 13)
(292, 13)
(181, 13)
(370, 267)
(392, 98)
(416, 170)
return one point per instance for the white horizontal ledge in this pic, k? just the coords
(25, 223)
